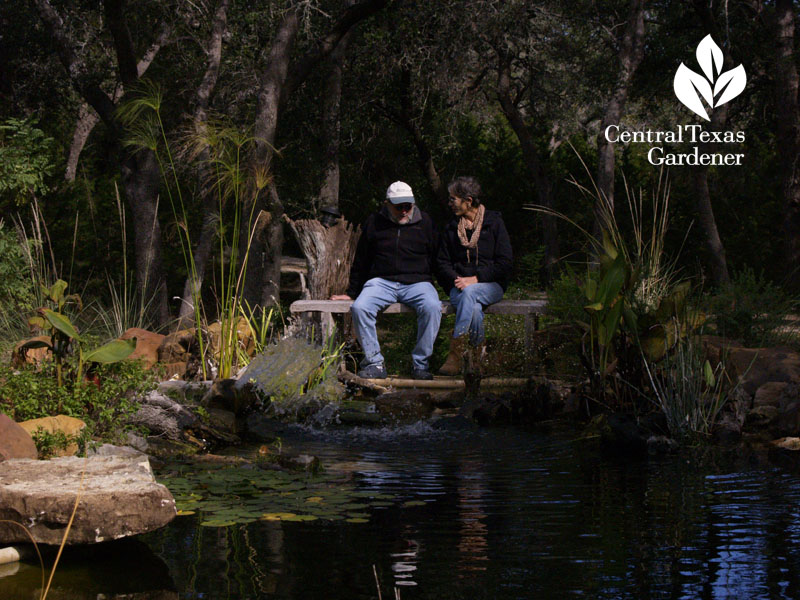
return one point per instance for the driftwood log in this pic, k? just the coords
(329, 251)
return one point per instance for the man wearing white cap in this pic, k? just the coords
(394, 262)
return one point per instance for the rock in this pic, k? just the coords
(30, 356)
(113, 450)
(728, 430)
(787, 443)
(539, 400)
(769, 394)
(147, 345)
(244, 337)
(661, 444)
(15, 442)
(761, 417)
(234, 395)
(176, 369)
(405, 404)
(69, 426)
(178, 346)
(119, 497)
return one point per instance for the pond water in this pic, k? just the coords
(496, 513)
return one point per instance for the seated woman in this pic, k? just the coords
(474, 263)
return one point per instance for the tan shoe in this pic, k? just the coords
(452, 365)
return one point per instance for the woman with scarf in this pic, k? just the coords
(474, 263)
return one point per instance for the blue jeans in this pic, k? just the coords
(379, 293)
(469, 304)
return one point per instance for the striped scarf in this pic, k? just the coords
(476, 225)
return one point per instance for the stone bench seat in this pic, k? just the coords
(531, 309)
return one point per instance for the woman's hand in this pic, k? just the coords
(340, 297)
(462, 282)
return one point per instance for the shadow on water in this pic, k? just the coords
(125, 569)
(504, 514)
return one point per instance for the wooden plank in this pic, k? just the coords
(504, 307)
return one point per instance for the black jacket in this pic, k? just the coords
(402, 253)
(494, 256)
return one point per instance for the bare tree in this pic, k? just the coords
(631, 51)
(141, 176)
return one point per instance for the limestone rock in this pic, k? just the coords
(69, 426)
(147, 344)
(769, 394)
(244, 337)
(15, 442)
(118, 497)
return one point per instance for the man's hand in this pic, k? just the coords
(340, 297)
(462, 282)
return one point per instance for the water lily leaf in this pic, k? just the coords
(214, 523)
(315, 499)
(184, 513)
(357, 520)
(414, 503)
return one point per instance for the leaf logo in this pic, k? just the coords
(690, 87)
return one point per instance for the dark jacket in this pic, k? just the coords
(402, 253)
(494, 256)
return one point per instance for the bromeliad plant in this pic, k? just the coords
(65, 341)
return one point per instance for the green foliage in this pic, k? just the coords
(26, 161)
(16, 287)
(690, 392)
(753, 310)
(65, 339)
(565, 297)
(104, 403)
(49, 443)
(529, 267)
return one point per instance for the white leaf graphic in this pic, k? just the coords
(709, 54)
(735, 80)
(687, 83)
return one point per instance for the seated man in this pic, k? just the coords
(394, 262)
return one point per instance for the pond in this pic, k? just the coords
(477, 513)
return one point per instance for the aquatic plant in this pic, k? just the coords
(230, 495)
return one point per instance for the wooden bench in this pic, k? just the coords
(530, 309)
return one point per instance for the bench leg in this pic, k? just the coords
(326, 321)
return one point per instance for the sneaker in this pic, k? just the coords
(421, 374)
(373, 372)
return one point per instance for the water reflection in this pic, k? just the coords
(500, 514)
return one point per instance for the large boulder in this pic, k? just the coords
(118, 497)
(70, 427)
(147, 345)
(15, 442)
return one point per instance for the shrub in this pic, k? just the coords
(104, 402)
(752, 310)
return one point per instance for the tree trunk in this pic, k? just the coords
(141, 178)
(202, 251)
(262, 281)
(630, 55)
(788, 135)
(530, 157)
(140, 172)
(329, 252)
(331, 126)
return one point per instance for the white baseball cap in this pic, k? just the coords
(400, 193)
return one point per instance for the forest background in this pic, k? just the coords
(332, 100)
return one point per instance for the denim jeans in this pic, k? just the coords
(379, 293)
(469, 304)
